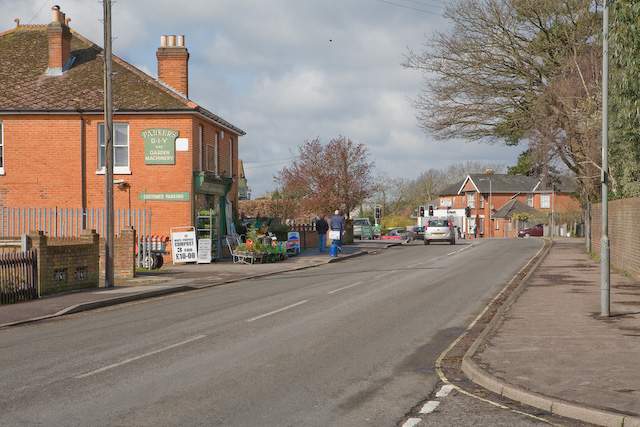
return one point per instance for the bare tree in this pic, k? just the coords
(328, 177)
(514, 71)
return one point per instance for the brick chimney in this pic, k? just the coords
(173, 63)
(59, 36)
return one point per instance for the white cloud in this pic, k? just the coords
(286, 71)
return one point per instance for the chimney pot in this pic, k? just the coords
(163, 41)
(172, 41)
(180, 41)
(59, 37)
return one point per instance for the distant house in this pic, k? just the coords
(170, 154)
(488, 201)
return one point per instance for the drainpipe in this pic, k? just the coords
(83, 166)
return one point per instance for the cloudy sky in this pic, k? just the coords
(286, 71)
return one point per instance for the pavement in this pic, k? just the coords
(548, 347)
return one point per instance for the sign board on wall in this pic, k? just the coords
(183, 245)
(159, 146)
(176, 196)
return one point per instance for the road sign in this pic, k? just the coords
(178, 196)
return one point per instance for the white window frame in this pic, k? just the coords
(117, 146)
(545, 201)
(471, 200)
(200, 148)
(215, 154)
(2, 151)
(211, 149)
(230, 157)
(530, 199)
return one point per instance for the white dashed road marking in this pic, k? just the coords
(132, 359)
(278, 311)
(385, 274)
(343, 288)
(411, 422)
(445, 390)
(429, 407)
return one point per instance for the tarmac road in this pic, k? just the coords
(594, 360)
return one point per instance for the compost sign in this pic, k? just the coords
(159, 146)
(183, 246)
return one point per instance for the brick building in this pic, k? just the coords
(485, 196)
(170, 154)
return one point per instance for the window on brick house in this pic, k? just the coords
(1, 149)
(471, 200)
(211, 158)
(530, 199)
(120, 148)
(545, 201)
(230, 157)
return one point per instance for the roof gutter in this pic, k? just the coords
(211, 118)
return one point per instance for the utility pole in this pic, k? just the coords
(605, 284)
(108, 140)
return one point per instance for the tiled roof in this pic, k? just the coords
(502, 183)
(451, 190)
(513, 207)
(25, 87)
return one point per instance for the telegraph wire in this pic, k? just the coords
(411, 8)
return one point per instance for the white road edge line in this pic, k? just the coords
(342, 289)
(133, 359)
(277, 311)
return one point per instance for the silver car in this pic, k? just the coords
(439, 230)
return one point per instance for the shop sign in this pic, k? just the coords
(204, 251)
(178, 196)
(159, 146)
(446, 202)
(183, 246)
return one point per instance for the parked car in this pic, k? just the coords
(439, 230)
(416, 233)
(357, 226)
(397, 234)
(535, 231)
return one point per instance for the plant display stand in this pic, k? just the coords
(241, 257)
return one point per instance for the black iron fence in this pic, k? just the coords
(18, 277)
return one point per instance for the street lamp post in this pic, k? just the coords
(605, 277)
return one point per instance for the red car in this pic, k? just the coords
(535, 231)
(395, 235)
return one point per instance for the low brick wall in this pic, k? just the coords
(74, 263)
(624, 233)
(66, 264)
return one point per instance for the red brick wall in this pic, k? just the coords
(65, 255)
(173, 67)
(43, 165)
(624, 233)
